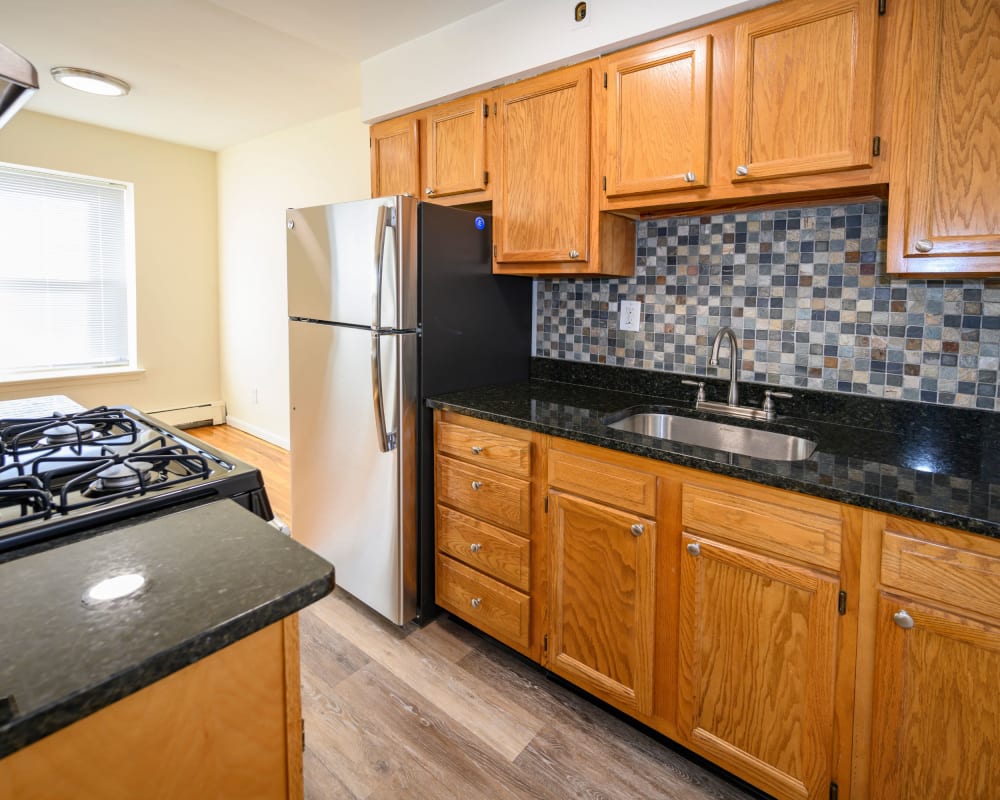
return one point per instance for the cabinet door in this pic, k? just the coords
(456, 147)
(542, 203)
(945, 202)
(658, 116)
(804, 89)
(757, 646)
(936, 725)
(601, 602)
(395, 157)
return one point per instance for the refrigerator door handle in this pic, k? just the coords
(386, 440)
(386, 220)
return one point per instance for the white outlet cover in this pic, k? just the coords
(630, 315)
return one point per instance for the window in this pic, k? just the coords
(67, 273)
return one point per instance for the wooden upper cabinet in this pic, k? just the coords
(936, 725)
(455, 141)
(658, 108)
(944, 202)
(395, 157)
(542, 203)
(601, 600)
(804, 89)
(756, 667)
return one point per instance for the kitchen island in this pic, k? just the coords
(187, 687)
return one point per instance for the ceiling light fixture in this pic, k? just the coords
(87, 80)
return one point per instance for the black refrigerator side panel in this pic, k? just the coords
(476, 330)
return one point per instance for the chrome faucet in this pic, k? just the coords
(734, 358)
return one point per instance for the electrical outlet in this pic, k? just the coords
(629, 316)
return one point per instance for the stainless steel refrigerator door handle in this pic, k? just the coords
(386, 441)
(386, 219)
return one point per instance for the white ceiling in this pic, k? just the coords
(211, 73)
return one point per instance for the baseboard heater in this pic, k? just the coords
(213, 413)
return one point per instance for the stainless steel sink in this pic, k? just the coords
(718, 436)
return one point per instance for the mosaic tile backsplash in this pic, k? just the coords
(806, 293)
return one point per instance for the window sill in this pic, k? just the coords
(91, 376)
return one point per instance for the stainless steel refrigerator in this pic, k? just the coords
(390, 301)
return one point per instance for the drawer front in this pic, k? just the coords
(483, 493)
(607, 483)
(489, 605)
(776, 522)
(502, 555)
(950, 575)
(490, 450)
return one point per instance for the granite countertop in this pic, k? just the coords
(214, 574)
(933, 464)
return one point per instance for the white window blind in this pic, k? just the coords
(65, 272)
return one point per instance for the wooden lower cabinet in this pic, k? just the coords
(936, 726)
(601, 600)
(757, 649)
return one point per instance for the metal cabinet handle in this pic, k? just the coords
(574, 253)
(475, 602)
(428, 190)
(690, 177)
(903, 619)
(477, 485)
(694, 548)
(923, 245)
(742, 171)
(637, 529)
(476, 449)
(475, 548)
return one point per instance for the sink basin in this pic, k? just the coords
(751, 442)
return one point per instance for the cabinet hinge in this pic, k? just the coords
(604, 182)
(877, 146)
(834, 791)
(494, 109)
(486, 179)
(605, 80)
(546, 505)
(545, 643)
(303, 734)
(881, 8)
(842, 603)
(486, 109)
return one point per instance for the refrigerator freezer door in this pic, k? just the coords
(352, 503)
(335, 258)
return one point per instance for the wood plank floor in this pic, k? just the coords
(444, 712)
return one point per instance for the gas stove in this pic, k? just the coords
(73, 471)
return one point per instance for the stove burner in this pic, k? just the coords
(68, 432)
(121, 478)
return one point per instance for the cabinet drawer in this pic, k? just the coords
(483, 493)
(489, 549)
(603, 481)
(777, 522)
(489, 605)
(491, 450)
(950, 575)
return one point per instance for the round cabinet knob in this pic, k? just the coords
(574, 253)
(475, 548)
(690, 177)
(903, 620)
(477, 485)
(476, 449)
(428, 190)
(291, 224)
(475, 602)
(923, 245)
(694, 548)
(742, 171)
(637, 529)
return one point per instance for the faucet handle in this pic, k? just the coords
(769, 395)
(700, 397)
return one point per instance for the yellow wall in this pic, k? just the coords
(177, 286)
(325, 161)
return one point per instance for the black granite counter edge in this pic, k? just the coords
(965, 523)
(25, 730)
